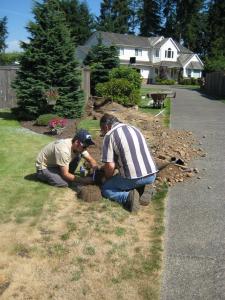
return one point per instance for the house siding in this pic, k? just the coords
(146, 62)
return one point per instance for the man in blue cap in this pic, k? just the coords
(58, 160)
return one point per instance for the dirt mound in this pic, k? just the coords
(165, 143)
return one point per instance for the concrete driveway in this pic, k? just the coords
(194, 262)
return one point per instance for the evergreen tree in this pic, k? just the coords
(48, 62)
(3, 33)
(150, 18)
(121, 15)
(105, 20)
(216, 32)
(102, 59)
(169, 13)
(135, 8)
(79, 19)
(183, 21)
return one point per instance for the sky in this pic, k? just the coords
(19, 13)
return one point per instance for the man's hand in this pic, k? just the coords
(109, 169)
(98, 177)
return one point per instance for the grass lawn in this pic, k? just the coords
(54, 246)
(20, 198)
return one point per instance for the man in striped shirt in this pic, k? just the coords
(125, 149)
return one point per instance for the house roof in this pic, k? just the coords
(124, 39)
(81, 52)
(138, 63)
(182, 48)
(169, 64)
(195, 65)
(184, 58)
(160, 43)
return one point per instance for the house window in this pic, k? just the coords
(121, 51)
(169, 53)
(138, 52)
(157, 53)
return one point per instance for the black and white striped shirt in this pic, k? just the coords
(126, 146)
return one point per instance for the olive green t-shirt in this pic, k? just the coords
(57, 153)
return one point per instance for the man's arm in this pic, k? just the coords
(64, 170)
(90, 160)
(109, 169)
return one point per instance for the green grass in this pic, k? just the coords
(144, 107)
(192, 87)
(21, 195)
(91, 125)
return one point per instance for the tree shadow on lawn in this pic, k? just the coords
(7, 115)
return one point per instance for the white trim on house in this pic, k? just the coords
(152, 54)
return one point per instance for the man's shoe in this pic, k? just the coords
(146, 193)
(132, 204)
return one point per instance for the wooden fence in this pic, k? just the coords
(215, 84)
(7, 94)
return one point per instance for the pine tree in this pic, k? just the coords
(102, 59)
(48, 61)
(183, 21)
(3, 33)
(105, 20)
(216, 23)
(121, 15)
(134, 7)
(150, 19)
(79, 20)
(216, 27)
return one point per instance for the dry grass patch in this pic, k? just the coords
(82, 250)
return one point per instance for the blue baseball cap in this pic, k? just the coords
(84, 137)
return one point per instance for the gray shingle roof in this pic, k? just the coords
(125, 39)
(158, 45)
(169, 64)
(184, 58)
(195, 65)
(183, 49)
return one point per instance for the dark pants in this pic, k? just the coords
(53, 176)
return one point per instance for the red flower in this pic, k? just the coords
(57, 123)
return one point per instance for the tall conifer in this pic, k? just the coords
(48, 61)
(150, 19)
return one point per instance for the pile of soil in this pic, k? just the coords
(165, 143)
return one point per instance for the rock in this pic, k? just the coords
(189, 175)
(209, 187)
(196, 170)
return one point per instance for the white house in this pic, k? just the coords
(150, 55)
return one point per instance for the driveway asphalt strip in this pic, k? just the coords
(194, 257)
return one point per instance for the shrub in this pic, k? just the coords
(43, 120)
(119, 90)
(165, 81)
(189, 81)
(128, 73)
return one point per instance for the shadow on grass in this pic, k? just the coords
(7, 115)
(31, 177)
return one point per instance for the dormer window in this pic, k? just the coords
(138, 52)
(121, 51)
(169, 53)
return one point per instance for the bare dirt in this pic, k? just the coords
(165, 143)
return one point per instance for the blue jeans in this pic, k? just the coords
(117, 187)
